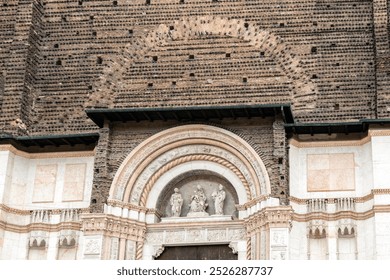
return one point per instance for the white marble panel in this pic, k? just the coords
(74, 182)
(45, 183)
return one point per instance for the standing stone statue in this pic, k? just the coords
(198, 203)
(219, 198)
(176, 203)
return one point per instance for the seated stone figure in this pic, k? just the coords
(198, 203)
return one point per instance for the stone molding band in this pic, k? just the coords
(341, 215)
(362, 199)
(12, 149)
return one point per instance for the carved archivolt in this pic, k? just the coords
(163, 152)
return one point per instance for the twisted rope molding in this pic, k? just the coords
(248, 248)
(140, 248)
(189, 158)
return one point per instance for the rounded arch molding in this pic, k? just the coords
(304, 90)
(175, 151)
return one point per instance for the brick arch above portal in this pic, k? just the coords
(112, 86)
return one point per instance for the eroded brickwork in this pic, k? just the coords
(60, 56)
(328, 59)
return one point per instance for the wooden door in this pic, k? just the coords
(204, 252)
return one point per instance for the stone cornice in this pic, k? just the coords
(254, 201)
(27, 212)
(113, 226)
(341, 215)
(330, 143)
(12, 149)
(361, 199)
(195, 224)
(340, 143)
(39, 227)
(129, 206)
(278, 216)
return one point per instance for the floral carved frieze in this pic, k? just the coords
(194, 235)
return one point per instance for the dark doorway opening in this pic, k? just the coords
(204, 252)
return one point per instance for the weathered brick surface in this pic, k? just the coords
(329, 59)
(59, 56)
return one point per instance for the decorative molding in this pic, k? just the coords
(195, 234)
(341, 215)
(233, 245)
(330, 143)
(254, 201)
(15, 151)
(362, 199)
(139, 250)
(379, 132)
(16, 211)
(42, 219)
(92, 247)
(113, 226)
(126, 205)
(278, 216)
(158, 250)
(340, 143)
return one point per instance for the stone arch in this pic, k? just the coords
(304, 90)
(169, 153)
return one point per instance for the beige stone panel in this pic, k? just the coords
(45, 183)
(341, 161)
(317, 180)
(318, 162)
(74, 182)
(342, 179)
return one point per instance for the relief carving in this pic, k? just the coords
(236, 234)
(216, 235)
(154, 237)
(279, 238)
(195, 236)
(198, 203)
(92, 247)
(175, 237)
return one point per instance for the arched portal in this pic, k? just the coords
(158, 160)
(185, 158)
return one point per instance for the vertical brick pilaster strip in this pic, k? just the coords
(280, 157)
(101, 182)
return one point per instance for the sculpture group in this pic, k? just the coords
(198, 202)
